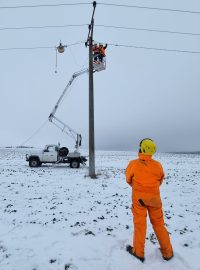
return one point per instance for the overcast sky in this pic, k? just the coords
(142, 93)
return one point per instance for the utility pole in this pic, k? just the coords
(89, 43)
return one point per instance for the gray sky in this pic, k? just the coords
(142, 93)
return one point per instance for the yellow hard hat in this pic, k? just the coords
(147, 147)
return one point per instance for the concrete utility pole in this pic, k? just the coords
(91, 99)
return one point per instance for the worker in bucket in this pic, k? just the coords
(102, 51)
(145, 175)
(95, 50)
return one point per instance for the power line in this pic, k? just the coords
(26, 48)
(110, 44)
(44, 5)
(103, 4)
(42, 27)
(38, 47)
(154, 48)
(150, 8)
(147, 30)
(100, 25)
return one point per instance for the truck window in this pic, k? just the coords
(51, 148)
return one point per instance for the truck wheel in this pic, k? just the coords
(34, 162)
(63, 151)
(75, 164)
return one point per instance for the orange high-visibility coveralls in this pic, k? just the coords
(102, 51)
(145, 175)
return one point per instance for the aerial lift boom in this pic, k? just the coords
(97, 66)
(57, 122)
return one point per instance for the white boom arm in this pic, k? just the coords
(57, 122)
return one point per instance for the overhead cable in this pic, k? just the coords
(103, 4)
(44, 5)
(26, 48)
(39, 47)
(147, 29)
(149, 8)
(154, 48)
(42, 27)
(100, 25)
(110, 44)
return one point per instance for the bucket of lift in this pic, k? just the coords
(99, 65)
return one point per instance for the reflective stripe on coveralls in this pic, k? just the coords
(145, 175)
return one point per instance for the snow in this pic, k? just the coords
(57, 218)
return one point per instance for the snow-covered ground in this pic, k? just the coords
(57, 218)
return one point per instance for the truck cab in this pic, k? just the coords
(50, 153)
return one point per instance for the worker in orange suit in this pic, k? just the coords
(145, 175)
(102, 51)
(95, 50)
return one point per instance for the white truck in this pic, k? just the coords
(54, 154)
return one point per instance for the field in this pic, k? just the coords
(57, 218)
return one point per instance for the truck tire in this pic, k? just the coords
(74, 163)
(34, 162)
(63, 151)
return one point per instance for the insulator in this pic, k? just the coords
(61, 48)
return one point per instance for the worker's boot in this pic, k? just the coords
(130, 250)
(165, 257)
(168, 258)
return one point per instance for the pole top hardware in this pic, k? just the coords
(61, 48)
